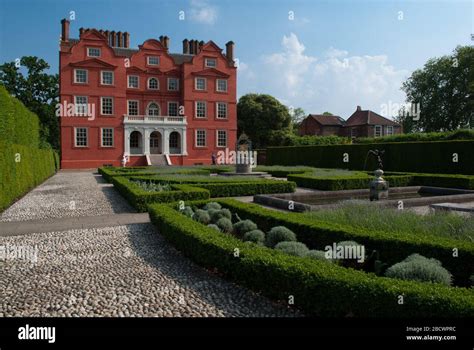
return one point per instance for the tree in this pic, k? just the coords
(297, 116)
(38, 91)
(260, 116)
(327, 113)
(444, 90)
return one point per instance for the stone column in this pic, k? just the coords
(126, 137)
(146, 140)
(166, 141)
(184, 149)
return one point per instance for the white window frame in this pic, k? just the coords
(177, 109)
(217, 85)
(157, 83)
(128, 82)
(75, 76)
(93, 48)
(153, 64)
(177, 84)
(101, 105)
(102, 77)
(389, 131)
(217, 138)
(196, 84)
(102, 137)
(76, 113)
(196, 110)
(148, 109)
(210, 59)
(226, 110)
(196, 138)
(378, 127)
(128, 107)
(75, 136)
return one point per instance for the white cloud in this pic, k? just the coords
(335, 82)
(203, 12)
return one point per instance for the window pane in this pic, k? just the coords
(201, 109)
(107, 137)
(107, 78)
(81, 76)
(93, 52)
(153, 83)
(81, 137)
(221, 138)
(211, 62)
(221, 85)
(107, 105)
(200, 84)
(201, 138)
(81, 105)
(153, 60)
(221, 110)
(173, 84)
(133, 81)
(132, 107)
(172, 109)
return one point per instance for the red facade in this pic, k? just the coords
(146, 104)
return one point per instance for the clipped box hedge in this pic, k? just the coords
(319, 288)
(393, 246)
(109, 172)
(227, 187)
(337, 183)
(434, 157)
(17, 178)
(139, 198)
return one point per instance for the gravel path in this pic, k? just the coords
(68, 194)
(117, 271)
(124, 270)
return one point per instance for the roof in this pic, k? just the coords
(366, 117)
(327, 119)
(127, 52)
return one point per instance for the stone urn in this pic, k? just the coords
(378, 187)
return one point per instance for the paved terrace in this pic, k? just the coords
(88, 253)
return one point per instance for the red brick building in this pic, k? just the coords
(362, 123)
(150, 105)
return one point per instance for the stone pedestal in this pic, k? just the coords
(378, 187)
(243, 168)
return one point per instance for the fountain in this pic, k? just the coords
(378, 186)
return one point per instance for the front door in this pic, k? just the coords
(155, 143)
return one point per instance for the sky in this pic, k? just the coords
(318, 55)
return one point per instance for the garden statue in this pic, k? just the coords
(244, 155)
(378, 186)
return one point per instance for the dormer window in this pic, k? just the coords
(211, 62)
(93, 52)
(153, 60)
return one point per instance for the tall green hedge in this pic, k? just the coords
(21, 169)
(422, 157)
(22, 164)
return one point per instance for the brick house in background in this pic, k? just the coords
(153, 106)
(362, 123)
(321, 125)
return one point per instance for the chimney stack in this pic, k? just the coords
(126, 40)
(201, 44)
(81, 31)
(229, 48)
(64, 29)
(358, 108)
(185, 46)
(119, 39)
(191, 47)
(167, 42)
(113, 42)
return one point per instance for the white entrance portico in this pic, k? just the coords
(151, 134)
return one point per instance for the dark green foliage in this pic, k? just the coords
(225, 225)
(109, 172)
(214, 226)
(319, 288)
(140, 199)
(255, 236)
(201, 216)
(463, 134)
(293, 248)
(419, 268)
(216, 214)
(244, 226)
(279, 234)
(434, 157)
(188, 211)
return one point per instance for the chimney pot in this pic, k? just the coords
(126, 40)
(358, 108)
(119, 39)
(167, 42)
(113, 42)
(229, 48)
(185, 46)
(64, 29)
(191, 47)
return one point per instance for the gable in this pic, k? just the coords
(92, 63)
(211, 72)
(152, 44)
(93, 34)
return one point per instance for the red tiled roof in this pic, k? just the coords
(328, 119)
(360, 117)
